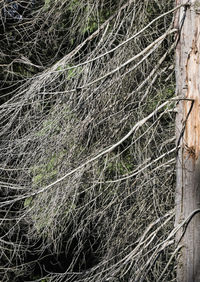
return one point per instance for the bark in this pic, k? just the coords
(188, 138)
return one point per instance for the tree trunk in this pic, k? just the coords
(188, 139)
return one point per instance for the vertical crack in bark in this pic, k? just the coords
(192, 128)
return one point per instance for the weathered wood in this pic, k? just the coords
(188, 128)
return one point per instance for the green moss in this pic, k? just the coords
(48, 126)
(47, 4)
(44, 173)
(163, 95)
(42, 219)
(73, 5)
(38, 179)
(90, 27)
(119, 167)
(27, 202)
(93, 23)
(44, 177)
(71, 73)
(52, 126)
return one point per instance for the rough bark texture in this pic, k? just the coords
(188, 137)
